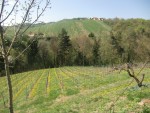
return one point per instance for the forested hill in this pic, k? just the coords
(74, 27)
(82, 42)
(79, 26)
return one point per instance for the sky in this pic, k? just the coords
(99, 8)
(67, 9)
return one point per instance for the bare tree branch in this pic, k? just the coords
(10, 12)
(24, 50)
(29, 6)
(143, 67)
(5, 56)
(38, 16)
(21, 25)
(2, 8)
(131, 75)
(129, 69)
(24, 19)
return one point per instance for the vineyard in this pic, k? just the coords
(75, 90)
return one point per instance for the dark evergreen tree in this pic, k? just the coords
(32, 51)
(64, 48)
(95, 51)
(91, 35)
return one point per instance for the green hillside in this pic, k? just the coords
(74, 27)
(76, 90)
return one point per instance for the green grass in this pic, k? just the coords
(74, 27)
(75, 90)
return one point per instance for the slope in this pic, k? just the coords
(74, 27)
(75, 90)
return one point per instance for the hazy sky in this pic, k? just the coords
(62, 9)
(100, 8)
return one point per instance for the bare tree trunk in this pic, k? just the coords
(136, 79)
(129, 69)
(5, 56)
(9, 84)
(5, 53)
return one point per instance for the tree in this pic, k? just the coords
(116, 43)
(29, 6)
(95, 51)
(128, 67)
(64, 47)
(91, 35)
(129, 38)
(32, 51)
(44, 53)
(83, 47)
(54, 45)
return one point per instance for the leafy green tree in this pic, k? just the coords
(116, 43)
(54, 47)
(95, 49)
(44, 53)
(83, 47)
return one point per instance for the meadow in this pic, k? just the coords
(74, 28)
(76, 90)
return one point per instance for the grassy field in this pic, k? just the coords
(73, 27)
(76, 90)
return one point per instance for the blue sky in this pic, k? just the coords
(98, 8)
(66, 9)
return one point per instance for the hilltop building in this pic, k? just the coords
(96, 18)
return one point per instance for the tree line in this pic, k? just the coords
(128, 41)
